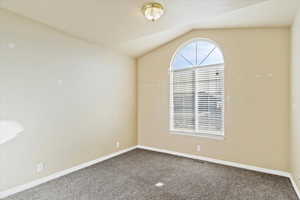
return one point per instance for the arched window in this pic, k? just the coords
(197, 89)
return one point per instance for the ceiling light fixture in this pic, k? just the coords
(153, 11)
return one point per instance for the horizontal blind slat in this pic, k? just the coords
(207, 86)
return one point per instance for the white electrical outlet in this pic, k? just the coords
(40, 167)
(118, 144)
(198, 147)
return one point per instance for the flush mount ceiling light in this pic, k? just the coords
(153, 11)
(9, 130)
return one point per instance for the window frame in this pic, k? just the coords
(194, 133)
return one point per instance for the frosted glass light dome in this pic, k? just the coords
(153, 11)
(9, 130)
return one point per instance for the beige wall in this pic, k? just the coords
(257, 108)
(69, 122)
(82, 117)
(295, 101)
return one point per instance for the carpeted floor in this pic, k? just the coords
(134, 175)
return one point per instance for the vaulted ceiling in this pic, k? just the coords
(119, 24)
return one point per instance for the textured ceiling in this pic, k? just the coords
(119, 24)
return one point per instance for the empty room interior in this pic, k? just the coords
(150, 100)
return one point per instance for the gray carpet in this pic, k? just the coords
(132, 176)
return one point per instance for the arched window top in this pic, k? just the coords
(197, 53)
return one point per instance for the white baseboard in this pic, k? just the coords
(295, 186)
(222, 162)
(227, 163)
(56, 175)
(35, 183)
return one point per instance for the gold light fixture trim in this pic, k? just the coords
(153, 11)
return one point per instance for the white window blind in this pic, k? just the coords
(197, 91)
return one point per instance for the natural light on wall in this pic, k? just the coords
(9, 130)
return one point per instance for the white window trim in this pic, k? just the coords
(197, 134)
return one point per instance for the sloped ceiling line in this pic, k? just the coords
(120, 25)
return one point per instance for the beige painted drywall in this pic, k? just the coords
(74, 99)
(257, 105)
(295, 101)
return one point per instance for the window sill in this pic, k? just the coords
(193, 134)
